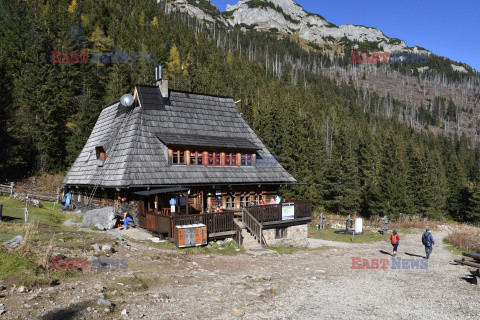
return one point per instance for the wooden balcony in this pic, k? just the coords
(256, 218)
(262, 217)
(164, 224)
(275, 212)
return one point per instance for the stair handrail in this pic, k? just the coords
(239, 232)
(245, 214)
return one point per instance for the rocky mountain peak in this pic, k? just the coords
(289, 18)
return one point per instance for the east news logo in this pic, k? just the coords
(396, 263)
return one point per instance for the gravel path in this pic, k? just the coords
(322, 285)
(316, 284)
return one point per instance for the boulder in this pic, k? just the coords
(104, 302)
(238, 312)
(36, 203)
(155, 240)
(102, 219)
(22, 289)
(107, 248)
(14, 243)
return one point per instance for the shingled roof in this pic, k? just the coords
(136, 141)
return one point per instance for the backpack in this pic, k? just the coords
(394, 239)
(425, 238)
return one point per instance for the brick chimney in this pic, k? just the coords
(160, 82)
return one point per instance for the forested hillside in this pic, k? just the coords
(330, 135)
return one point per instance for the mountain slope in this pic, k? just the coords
(352, 148)
(200, 9)
(289, 17)
(418, 85)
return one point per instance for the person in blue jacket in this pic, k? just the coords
(126, 219)
(427, 240)
(66, 201)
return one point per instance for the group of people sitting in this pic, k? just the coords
(276, 200)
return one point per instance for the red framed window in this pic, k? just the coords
(210, 159)
(193, 158)
(178, 157)
(181, 156)
(196, 158)
(246, 159)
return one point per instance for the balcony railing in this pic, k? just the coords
(164, 224)
(274, 212)
(258, 217)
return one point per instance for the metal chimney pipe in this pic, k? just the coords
(160, 82)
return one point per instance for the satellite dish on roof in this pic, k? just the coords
(126, 100)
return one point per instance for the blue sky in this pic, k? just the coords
(447, 28)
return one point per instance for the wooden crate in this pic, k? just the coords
(190, 235)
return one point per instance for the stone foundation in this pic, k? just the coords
(295, 236)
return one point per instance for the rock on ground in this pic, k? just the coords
(238, 312)
(107, 248)
(104, 302)
(14, 243)
(103, 218)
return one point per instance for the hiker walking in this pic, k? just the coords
(427, 240)
(395, 239)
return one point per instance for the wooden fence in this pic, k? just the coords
(7, 188)
(164, 225)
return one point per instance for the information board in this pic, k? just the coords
(288, 211)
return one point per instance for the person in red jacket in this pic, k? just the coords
(394, 239)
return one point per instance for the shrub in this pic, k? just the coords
(466, 240)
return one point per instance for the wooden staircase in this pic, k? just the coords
(249, 241)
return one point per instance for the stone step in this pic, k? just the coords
(249, 241)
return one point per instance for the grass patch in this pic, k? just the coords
(450, 247)
(15, 266)
(134, 283)
(16, 269)
(43, 234)
(329, 234)
(13, 210)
